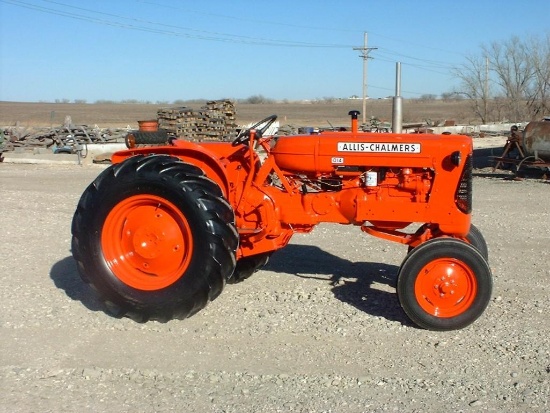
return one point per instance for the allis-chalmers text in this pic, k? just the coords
(384, 147)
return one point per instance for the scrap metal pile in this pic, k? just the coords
(214, 121)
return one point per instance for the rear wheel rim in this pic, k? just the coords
(445, 287)
(147, 242)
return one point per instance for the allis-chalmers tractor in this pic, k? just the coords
(161, 231)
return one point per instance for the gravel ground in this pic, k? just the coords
(318, 330)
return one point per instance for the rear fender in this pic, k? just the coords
(208, 161)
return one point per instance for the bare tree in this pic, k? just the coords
(450, 96)
(473, 84)
(512, 65)
(427, 97)
(519, 85)
(538, 99)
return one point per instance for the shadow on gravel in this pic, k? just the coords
(361, 284)
(65, 276)
(483, 158)
(484, 163)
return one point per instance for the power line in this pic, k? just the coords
(404, 41)
(69, 11)
(417, 66)
(239, 18)
(426, 62)
(206, 35)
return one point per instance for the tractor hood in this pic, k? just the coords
(328, 152)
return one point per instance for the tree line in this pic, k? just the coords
(508, 80)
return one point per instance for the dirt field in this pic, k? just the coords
(319, 329)
(299, 114)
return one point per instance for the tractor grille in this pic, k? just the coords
(463, 196)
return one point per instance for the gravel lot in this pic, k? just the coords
(318, 330)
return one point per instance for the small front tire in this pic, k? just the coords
(474, 237)
(444, 284)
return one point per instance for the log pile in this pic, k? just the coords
(213, 122)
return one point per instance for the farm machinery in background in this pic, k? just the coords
(527, 149)
(160, 232)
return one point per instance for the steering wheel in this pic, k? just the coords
(244, 135)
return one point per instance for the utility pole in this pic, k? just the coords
(486, 89)
(365, 55)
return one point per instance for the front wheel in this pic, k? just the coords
(474, 237)
(155, 238)
(444, 284)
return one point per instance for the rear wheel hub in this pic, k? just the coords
(147, 242)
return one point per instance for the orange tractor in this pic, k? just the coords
(160, 232)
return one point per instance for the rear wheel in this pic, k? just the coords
(155, 238)
(248, 266)
(444, 284)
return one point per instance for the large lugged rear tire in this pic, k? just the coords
(155, 238)
(248, 266)
(444, 284)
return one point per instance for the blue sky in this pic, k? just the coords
(164, 50)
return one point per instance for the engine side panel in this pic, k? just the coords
(328, 151)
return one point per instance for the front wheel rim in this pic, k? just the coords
(147, 242)
(445, 287)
